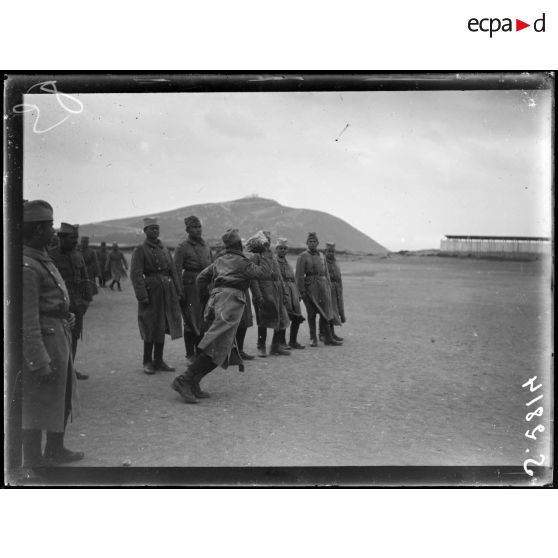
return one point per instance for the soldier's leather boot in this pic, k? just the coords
(149, 368)
(277, 350)
(261, 351)
(57, 453)
(293, 343)
(336, 337)
(328, 339)
(183, 385)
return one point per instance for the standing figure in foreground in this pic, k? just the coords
(269, 296)
(158, 291)
(72, 268)
(48, 372)
(102, 257)
(230, 275)
(292, 300)
(190, 257)
(116, 266)
(314, 288)
(91, 263)
(336, 285)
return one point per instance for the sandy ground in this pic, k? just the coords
(435, 353)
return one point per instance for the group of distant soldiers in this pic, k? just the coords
(202, 296)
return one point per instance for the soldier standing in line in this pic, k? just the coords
(91, 263)
(158, 291)
(102, 256)
(292, 303)
(230, 275)
(269, 296)
(48, 372)
(314, 288)
(190, 257)
(336, 285)
(69, 262)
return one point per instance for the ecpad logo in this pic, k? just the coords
(492, 25)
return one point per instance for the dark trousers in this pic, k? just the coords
(191, 342)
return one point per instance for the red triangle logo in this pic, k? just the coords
(519, 25)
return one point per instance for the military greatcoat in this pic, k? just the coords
(292, 300)
(116, 264)
(190, 257)
(92, 264)
(46, 340)
(72, 268)
(336, 283)
(312, 283)
(154, 278)
(269, 294)
(230, 275)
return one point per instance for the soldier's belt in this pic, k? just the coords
(162, 272)
(289, 280)
(313, 274)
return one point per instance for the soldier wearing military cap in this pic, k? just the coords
(269, 295)
(230, 274)
(292, 298)
(48, 372)
(71, 265)
(313, 285)
(336, 287)
(190, 257)
(116, 266)
(91, 263)
(158, 291)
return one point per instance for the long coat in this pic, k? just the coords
(312, 282)
(116, 264)
(154, 278)
(46, 340)
(190, 257)
(230, 275)
(92, 265)
(102, 257)
(271, 291)
(292, 299)
(72, 269)
(336, 284)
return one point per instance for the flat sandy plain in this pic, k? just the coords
(436, 351)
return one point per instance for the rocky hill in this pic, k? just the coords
(248, 215)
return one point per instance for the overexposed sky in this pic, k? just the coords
(409, 167)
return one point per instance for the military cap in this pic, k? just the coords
(330, 245)
(312, 236)
(282, 242)
(37, 210)
(150, 222)
(66, 228)
(192, 221)
(231, 237)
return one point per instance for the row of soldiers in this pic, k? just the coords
(209, 299)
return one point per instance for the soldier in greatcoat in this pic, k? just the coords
(116, 266)
(292, 300)
(314, 288)
(69, 262)
(158, 291)
(269, 296)
(102, 256)
(190, 257)
(336, 286)
(91, 263)
(230, 275)
(48, 378)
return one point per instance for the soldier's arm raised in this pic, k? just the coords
(204, 278)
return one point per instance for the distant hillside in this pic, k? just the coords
(247, 214)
